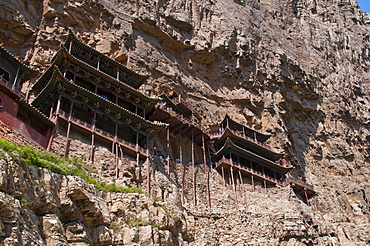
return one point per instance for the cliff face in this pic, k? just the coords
(296, 69)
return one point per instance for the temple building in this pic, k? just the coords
(179, 115)
(183, 122)
(89, 97)
(15, 111)
(243, 152)
(96, 97)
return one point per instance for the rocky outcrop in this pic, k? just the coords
(296, 69)
(39, 207)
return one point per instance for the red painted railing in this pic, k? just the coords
(178, 100)
(183, 119)
(103, 133)
(282, 182)
(10, 87)
(240, 134)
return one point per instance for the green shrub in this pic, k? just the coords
(24, 200)
(60, 165)
(156, 225)
(133, 190)
(8, 146)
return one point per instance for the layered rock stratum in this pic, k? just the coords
(295, 69)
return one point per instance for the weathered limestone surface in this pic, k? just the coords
(296, 69)
(39, 207)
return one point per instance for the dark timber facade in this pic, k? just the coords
(15, 111)
(87, 92)
(242, 152)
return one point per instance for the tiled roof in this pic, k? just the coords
(73, 36)
(11, 58)
(248, 154)
(63, 53)
(262, 136)
(52, 84)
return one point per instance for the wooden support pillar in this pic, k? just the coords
(51, 110)
(93, 138)
(209, 155)
(70, 47)
(264, 178)
(58, 107)
(116, 148)
(194, 176)
(16, 79)
(52, 131)
(117, 161)
(223, 175)
(67, 138)
(237, 182)
(232, 178)
(168, 150)
(206, 169)
(242, 186)
(305, 193)
(68, 130)
(182, 171)
(138, 164)
(137, 148)
(148, 167)
(252, 177)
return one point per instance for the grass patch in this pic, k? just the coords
(64, 166)
(24, 200)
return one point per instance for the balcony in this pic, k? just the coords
(9, 86)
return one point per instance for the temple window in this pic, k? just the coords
(106, 94)
(4, 74)
(70, 76)
(107, 68)
(140, 111)
(85, 84)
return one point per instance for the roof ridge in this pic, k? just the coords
(58, 73)
(17, 60)
(72, 35)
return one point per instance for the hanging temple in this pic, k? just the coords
(86, 91)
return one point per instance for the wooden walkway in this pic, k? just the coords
(103, 134)
(299, 186)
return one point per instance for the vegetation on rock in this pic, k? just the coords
(64, 166)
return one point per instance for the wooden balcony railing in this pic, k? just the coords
(183, 119)
(10, 87)
(218, 134)
(283, 182)
(178, 100)
(102, 132)
(247, 169)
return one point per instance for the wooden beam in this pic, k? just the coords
(182, 171)
(173, 128)
(206, 169)
(194, 176)
(148, 171)
(68, 129)
(168, 150)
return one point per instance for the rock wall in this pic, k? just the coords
(296, 69)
